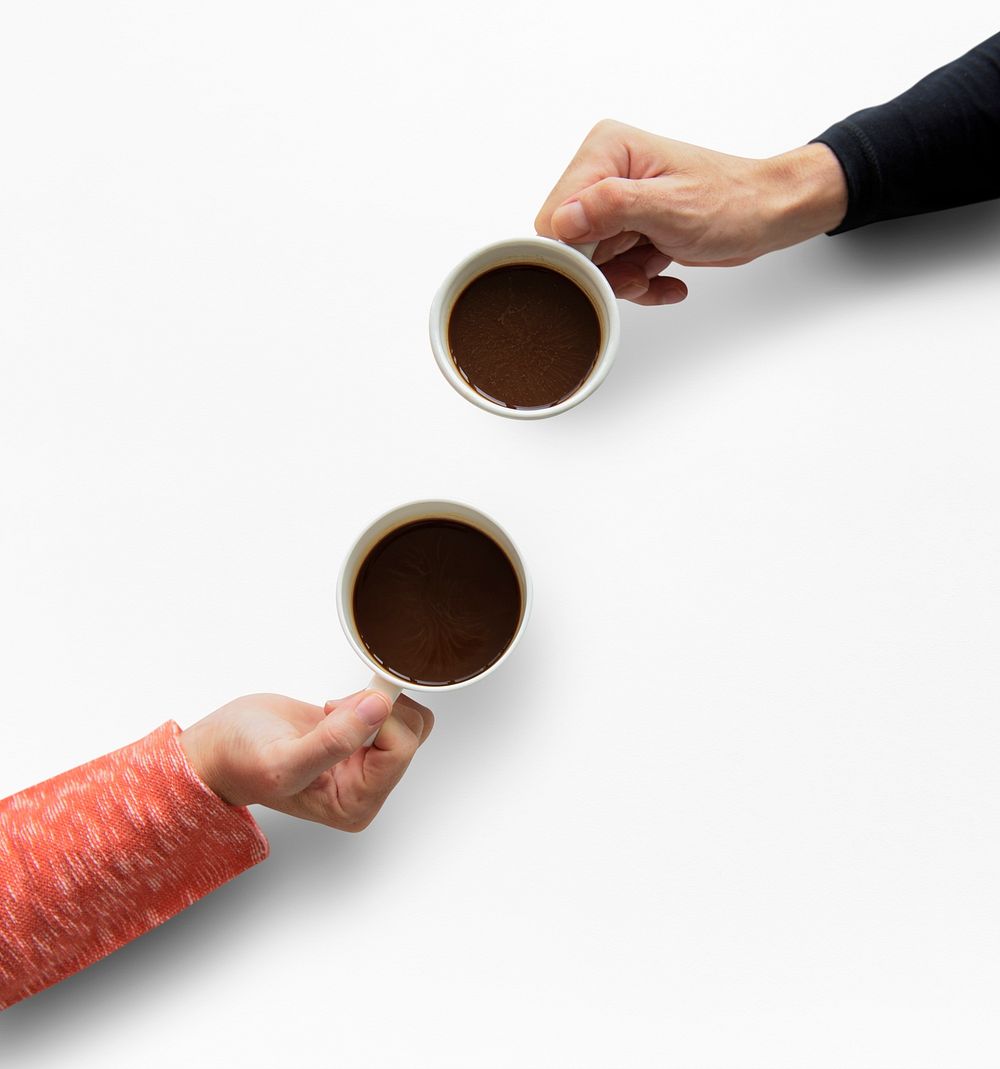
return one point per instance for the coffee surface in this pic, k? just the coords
(437, 601)
(524, 336)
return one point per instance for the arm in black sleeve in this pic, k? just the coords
(935, 146)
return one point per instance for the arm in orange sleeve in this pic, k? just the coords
(98, 855)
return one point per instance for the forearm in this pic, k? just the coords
(804, 193)
(935, 146)
(95, 857)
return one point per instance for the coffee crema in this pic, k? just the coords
(524, 336)
(437, 601)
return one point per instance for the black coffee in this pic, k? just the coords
(437, 601)
(524, 336)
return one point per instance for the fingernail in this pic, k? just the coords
(373, 709)
(570, 221)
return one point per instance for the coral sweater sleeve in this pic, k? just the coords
(101, 854)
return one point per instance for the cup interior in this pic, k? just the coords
(543, 252)
(399, 517)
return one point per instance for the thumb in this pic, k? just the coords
(605, 209)
(334, 738)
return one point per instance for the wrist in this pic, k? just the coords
(195, 741)
(807, 194)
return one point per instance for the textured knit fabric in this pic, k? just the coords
(935, 146)
(101, 854)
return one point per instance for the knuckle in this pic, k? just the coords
(611, 196)
(620, 196)
(605, 127)
(337, 740)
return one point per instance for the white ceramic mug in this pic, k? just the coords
(383, 680)
(574, 262)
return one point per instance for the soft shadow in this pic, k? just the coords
(731, 309)
(487, 721)
(922, 244)
(110, 985)
(303, 856)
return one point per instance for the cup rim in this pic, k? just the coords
(432, 507)
(446, 292)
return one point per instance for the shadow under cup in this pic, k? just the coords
(433, 596)
(549, 319)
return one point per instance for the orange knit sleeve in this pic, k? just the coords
(101, 854)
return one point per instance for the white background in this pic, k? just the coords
(734, 801)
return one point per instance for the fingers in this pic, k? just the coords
(297, 762)
(603, 152)
(612, 247)
(416, 718)
(633, 275)
(385, 762)
(391, 753)
(635, 267)
(613, 192)
(664, 290)
(608, 208)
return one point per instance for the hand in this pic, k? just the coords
(307, 761)
(649, 201)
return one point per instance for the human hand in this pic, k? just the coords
(649, 201)
(307, 761)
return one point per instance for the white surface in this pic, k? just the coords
(734, 800)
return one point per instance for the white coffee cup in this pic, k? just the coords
(574, 262)
(383, 680)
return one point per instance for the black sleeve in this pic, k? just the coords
(935, 146)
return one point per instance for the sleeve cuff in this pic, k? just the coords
(859, 162)
(99, 855)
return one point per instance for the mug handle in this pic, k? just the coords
(586, 249)
(383, 686)
(390, 690)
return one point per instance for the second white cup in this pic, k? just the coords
(574, 262)
(383, 679)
